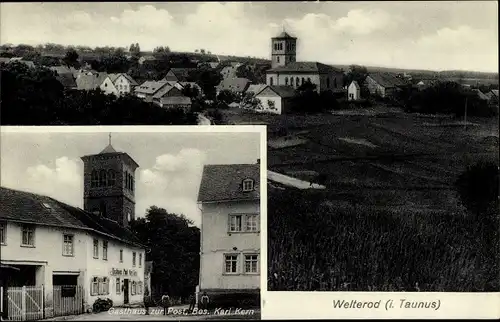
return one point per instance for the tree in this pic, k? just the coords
(355, 73)
(174, 245)
(190, 91)
(135, 50)
(71, 58)
(227, 96)
(207, 79)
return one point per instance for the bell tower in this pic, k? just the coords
(283, 49)
(109, 185)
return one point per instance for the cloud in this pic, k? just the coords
(361, 35)
(63, 181)
(172, 183)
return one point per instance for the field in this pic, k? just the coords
(390, 218)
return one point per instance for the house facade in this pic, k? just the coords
(148, 89)
(384, 84)
(52, 246)
(118, 84)
(229, 199)
(287, 71)
(275, 99)
(353, 91)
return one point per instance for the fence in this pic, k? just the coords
(24, 303)
(68, 300)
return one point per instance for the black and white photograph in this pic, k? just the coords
(130, 225)
(381, 166)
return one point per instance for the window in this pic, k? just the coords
(104, 286)
(271, 81)
(139, 288)
(247, 184)
(121, 255)
(96, 248)
(118, 286)
(68, 245)
(303, 80)
(134, 290)
(231, 264)
(105, 250)
(111, 178)
(297, 81)
(286, 80)
(102, 178)
(328, 82)
(140, 260)
(3, 233)
(291, 81)
(94, 286)
(28, 235)
(94, 179)
(278, 59)
(251, 264)
(309, 79)
(251, 223)
(235, 223)
(335, 83)
(133, 259)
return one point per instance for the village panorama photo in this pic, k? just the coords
(100, 223)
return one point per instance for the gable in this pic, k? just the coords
(108, 84)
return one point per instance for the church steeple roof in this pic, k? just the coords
(109, 148)
(284, 34)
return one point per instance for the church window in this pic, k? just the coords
(291, 81)
(309, 79)
(328, 82)
(125, 178)
(297, 80)
(271, 81)
(278, 59)
(102, 178)
(303, 80)
(111, 178)
(335, 82)
(94, 179)
(286, 80)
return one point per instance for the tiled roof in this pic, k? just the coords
(114, 77)
(108, 149)
(387, 80)
(495, 92)
(256, 88)
(224, 182)
(151, 87)
(305, 67)
(181, 73)
(62, 69)
(67, 80)
(89, 82)
(237, 84)
(284, 35)
(283, 91)
(175, 100)
(163, 91)
(481, 95)
(30, 208)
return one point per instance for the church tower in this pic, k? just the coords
(283, 50)
(109, 185)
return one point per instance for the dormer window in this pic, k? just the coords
(248, 185)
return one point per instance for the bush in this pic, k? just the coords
(101, 305)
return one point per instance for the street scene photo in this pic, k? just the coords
(98, 225)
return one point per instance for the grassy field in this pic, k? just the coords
(390, 218)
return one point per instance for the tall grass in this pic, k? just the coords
(316, 247)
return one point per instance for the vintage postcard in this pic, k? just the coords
(380, 175)
(113, 223)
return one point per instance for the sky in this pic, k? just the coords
(444, 35)
(170, 164)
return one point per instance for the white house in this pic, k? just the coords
(69, 257)
(353, 91)
(229, 199)
(118, 84)
(275, 99)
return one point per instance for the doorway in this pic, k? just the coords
(125, 291)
